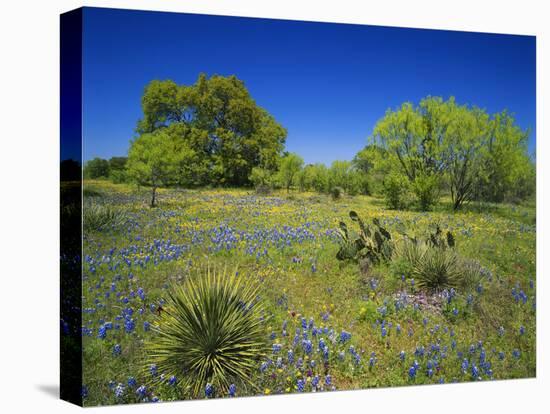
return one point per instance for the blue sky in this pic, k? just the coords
(326, 83)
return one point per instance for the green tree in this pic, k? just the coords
(96, 168)
(289, 168)
(319, 174)
(239, 135)
(117, 169)
(506, 159)
(372, 161)
(156, 159)
(261, 177)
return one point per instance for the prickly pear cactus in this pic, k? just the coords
(373, 243)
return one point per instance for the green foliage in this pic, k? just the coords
(96, 168)
(217, 118)
(372, 243)
(289, 169)
(434, 263)
(319, 178)
(336, 192)
(117, 169)
(396, 191)
(261, 177)
(372, 162)
(98, 216)
(159, 159)
(210, 332)
(440, 240)
(437, 269)
(426, 190)
(479, 156)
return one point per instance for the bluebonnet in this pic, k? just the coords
(372, 359)
(290, 356)
(465, 365)
(521, 330)
(300, 383)
(119, 390)
(264, 366)
(129, 325)
(307, 346)
(412, 372)
(402, 355)
(515, 353)
(153, 370)
(132, 382)
(117, 350)
(209, 390)
(232, 390)
(172, 380)
(102, 332)
(315, 381)
(276, 348)
(345, 337)
(84, 392)
(328, 380)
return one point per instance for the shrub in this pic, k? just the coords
(210, 332)
(99, 216)
(336, 192)
(437, 269)
(426, 190)
(396, 191)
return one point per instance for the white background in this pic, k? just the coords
(29, 160)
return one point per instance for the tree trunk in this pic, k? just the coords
(153, 198)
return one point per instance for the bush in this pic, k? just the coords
(210, 333)
(119, 176)
(336, 192)
(426, 189)
(99, 216)
(396, 191)
(437, 269)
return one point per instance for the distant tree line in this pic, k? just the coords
(113, 169)
(212, 133)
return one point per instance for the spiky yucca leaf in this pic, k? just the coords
(437, 269)
(209, 332)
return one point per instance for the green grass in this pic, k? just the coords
(288, 245)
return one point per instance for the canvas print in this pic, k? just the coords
(259, 206)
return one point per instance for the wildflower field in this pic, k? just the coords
(328, 324)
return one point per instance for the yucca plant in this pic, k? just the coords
(437, 269)
(210, 332)
(99, 216)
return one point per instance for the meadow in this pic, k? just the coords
(330, 324)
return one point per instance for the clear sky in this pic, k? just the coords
(326, 83)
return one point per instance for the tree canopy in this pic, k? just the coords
(441, 143)
(218, 118)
